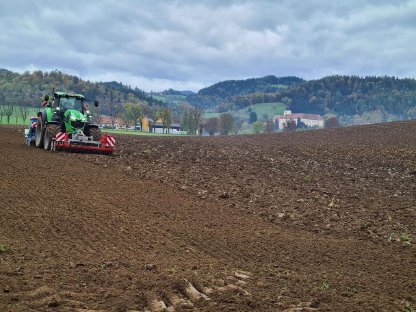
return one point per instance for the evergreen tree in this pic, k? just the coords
(252, 117)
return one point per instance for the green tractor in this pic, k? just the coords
(65, 123)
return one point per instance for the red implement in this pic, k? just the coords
(105, 145)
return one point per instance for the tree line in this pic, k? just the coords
(226, 124)
(267, 84)
(135, 114)
(17, 112)
(350, 98)
(345, 96)
(28, 88)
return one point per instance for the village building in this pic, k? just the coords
(310, 120)
(174, 128)
(157, 127)
(149, 125)
(107, 122)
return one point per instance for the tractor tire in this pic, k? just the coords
(40, 132)
(31, 142)
(50, 133)
(95, 133)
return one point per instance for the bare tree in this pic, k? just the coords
(238, 122)
(166, 117)
(24, 111)
(8, 111)
(155, 113)
(1, 113)
(269, 126)
(16, 114)
(226, 123)
(144, 112)
(124, 116)
(192, 120)
(211, 125)
(113, 111)
(96, 115)
(133, 111)
(197, 117)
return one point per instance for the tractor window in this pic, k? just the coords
(70, 103)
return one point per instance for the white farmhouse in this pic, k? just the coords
(310, 120)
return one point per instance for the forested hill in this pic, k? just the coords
(389, 97)
(268, 84)
(236, 94)
(28, 89)
(353, 95)
(349, 97)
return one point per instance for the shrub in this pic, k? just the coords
(258, 127)
(331, 122)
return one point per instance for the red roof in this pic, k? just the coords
(301, 115)
(107, 120)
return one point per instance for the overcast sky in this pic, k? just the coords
(187, 45)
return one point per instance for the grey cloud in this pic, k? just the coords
(196, 43)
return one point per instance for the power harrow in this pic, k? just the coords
(65, 124)
(79, 142)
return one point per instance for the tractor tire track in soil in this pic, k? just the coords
(311, 221)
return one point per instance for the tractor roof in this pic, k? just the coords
(69, 94)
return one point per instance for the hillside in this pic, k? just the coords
(28, 89)
(354, 99)
(390, 97)
(268, 84)
(236, 94)
(262, 110)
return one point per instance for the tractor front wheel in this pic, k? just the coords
(50, 133)
(95, 133)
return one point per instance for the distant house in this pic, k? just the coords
(147, 123)
(105, 122)
(310, 120)
(157, 127)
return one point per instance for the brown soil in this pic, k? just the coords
(308, 221)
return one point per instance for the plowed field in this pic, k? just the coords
(309, 221)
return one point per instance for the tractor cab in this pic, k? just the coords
(70, 110)
(71, 102)
(64, 101)
(76, 103)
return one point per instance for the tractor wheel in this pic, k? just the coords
(50, 133)
(32, 142)
(95, 133)
(39, 133)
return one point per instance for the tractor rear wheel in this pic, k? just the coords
(39, 133)
(50, 133)
(95, 133)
